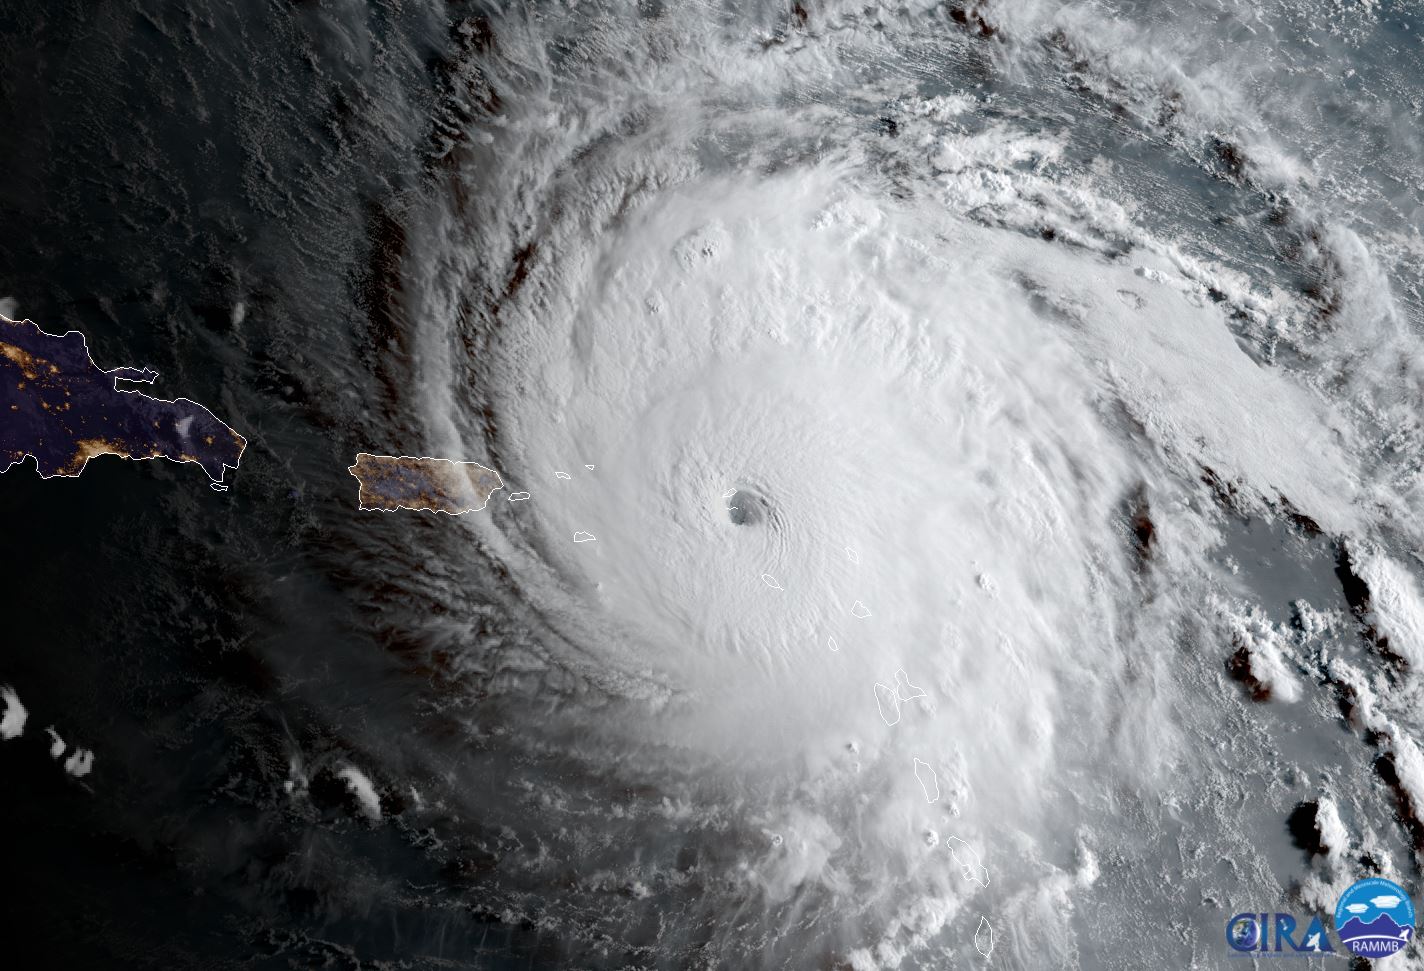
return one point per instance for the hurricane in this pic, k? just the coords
(1017, 391)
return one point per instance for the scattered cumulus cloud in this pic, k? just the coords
(12, 722)
(79, 763)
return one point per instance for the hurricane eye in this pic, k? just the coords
(746, 508)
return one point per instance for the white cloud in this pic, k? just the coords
(1333, 835)
(1396, 602)
(79, 763)
(12, 723)
(1385, 902)
(297, 782)
(360, 787)
(1357, 908)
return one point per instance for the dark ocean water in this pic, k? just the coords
(1091, 329)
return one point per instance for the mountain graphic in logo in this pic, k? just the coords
(1379, 937)
(1375, 918)
(1382, 927)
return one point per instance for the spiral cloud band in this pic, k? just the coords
(933, 521)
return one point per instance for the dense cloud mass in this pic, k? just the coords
(965, 464)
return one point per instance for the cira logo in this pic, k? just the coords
(1276, 934)
(1375, 918)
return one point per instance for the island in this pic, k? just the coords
(391, 482)
(62, 409)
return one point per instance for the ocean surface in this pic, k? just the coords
(1021, 397)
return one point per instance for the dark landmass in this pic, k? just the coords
(391, 482)
(63, 409)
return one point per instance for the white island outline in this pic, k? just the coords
(399, 505)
